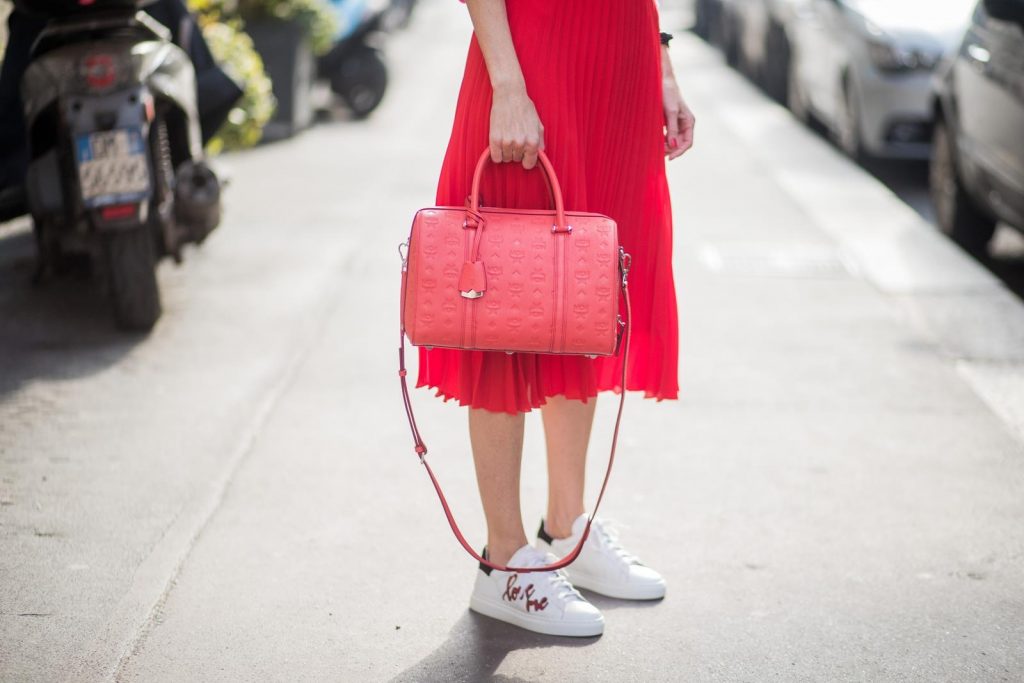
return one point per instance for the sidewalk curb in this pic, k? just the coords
(962, 308)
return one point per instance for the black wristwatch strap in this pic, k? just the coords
(666, 38)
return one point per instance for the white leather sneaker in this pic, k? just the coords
(544, 602)
(603, 565)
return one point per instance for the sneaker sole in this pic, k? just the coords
(534, 623)
(651, 592)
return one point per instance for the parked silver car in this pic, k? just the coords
(977, 173)
(864, 67)
(756, 39)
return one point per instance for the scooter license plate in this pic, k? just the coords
(112, 166)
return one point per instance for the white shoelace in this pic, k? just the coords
(557, 580)
(607, 536)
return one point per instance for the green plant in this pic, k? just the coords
(315, 15)
(234, 51)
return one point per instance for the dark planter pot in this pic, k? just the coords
(288, 60)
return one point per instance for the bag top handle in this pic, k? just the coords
(549, 175)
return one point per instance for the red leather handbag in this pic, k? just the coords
(514, 280)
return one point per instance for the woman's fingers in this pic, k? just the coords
(686, 123)
(530, 152)
(507, 150)
(672, 124)
(516, 132)
(671, 131)
(679, 137)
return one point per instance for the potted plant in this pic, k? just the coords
(288, 34)
(233, 49)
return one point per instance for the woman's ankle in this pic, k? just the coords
(559, 525)
(501, 551)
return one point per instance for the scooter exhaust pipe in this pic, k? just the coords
(197, 199)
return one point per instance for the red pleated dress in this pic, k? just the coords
(593, 71)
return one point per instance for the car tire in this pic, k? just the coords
(731, 40)
(796, 98)
(702, 19)
(957, 214)
(775, 70)
(847, 127)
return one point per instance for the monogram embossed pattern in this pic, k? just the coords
(546, 292)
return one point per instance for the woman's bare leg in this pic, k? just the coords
(497, 440)
(567, 426)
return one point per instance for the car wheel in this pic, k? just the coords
(702, 21)
(957, 214)
(776, 67)
(731, 40)
(716, 24)
(796, 99)
(847, 126)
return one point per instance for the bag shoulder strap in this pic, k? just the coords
(421, 448)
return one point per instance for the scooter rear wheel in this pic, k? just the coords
(131, 271)
(360, 80)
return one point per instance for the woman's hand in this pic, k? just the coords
(679, 120)
(516, 131)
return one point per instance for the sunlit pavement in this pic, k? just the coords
(835, 497)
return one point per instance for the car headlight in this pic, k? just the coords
(892, 58)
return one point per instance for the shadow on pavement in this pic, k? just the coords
(476, 647)
(59, 330)
(606, 604)
(1008, 262)
(909, 180)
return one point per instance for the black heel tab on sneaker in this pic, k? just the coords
(483, 567)
(543, 534)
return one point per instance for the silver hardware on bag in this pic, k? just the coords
(403, 251)
(471, 294)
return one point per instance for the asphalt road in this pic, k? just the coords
(836, 496)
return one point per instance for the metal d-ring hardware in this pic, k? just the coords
(403, 251)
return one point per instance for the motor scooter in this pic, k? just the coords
(116, 166)
(355, 66)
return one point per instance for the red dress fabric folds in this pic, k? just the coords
(593, 70)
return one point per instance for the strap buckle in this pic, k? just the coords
(625, 263)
